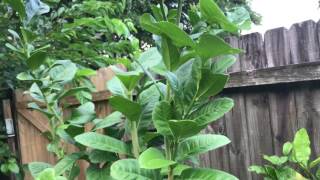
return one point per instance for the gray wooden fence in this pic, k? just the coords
(276, 91)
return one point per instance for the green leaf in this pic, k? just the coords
(241, 17)
(97, 156)
(160, 116)
(47, 174)
(314, 163)
(25, 76)
(36, 60)
(103, 142)
(129, 169)
(210, 46)
(211, 11)
(116, 87)
(13, 167)
(153, 158)
(179, 37)
(95, 173)
(257, 169)
(18, 6)
(148, 23)
(212, 111)
(198, 173)
(184, 128)
(149, 58)
(200, 144)
(110, 120)
(223, 63)
(130, 109)
(63, 71)
(301, 147)
(72, 92)
(129, 79)
(287, 147)
(36, 167)
(66, 163)
(85, 72)
(276, 160)
(170, 54)
(36, 93)
(83, 114)
(211, 84)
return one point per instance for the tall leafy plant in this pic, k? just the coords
(185, 107)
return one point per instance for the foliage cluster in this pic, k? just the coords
(154, 131)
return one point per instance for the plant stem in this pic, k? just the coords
(135, 140)
(180, 3)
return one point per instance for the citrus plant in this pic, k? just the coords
(295, 162)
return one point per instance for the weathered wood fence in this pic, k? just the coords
(276, 92)
(275, 88)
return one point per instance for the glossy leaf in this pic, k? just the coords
(129, 79)
(301, 147)
(130, 109)
(276, 160)
(210, 46)
(148, 23)
(153, 158)
(129, 169)
(200, 144)
(212, 111)
(37, 167)
(116, 87)
(287, 148)
(211, 11)
(66, 163)
(36, 93)
(85, 72)
(198, 173)
(36, 60)
(184, 128)
(211, 84)
(63, 71)
(110, 120)
(72, 92)
(223, 63)
(103, 142)
(160, 116)
(170, 54)
(179, 37)
(95, 173)
(83, 114)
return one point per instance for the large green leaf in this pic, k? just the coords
(149, 58)
(83, 114)
(161, 115)
(36, 167)
(63, 71)
(200, 144)
(276, 160)
(211, 84)
(18, 6)
(210, 46)
(97, 156)
(36, 60)
(129, 79)
(148, 23)
(205, 174)
(301, 147)
(95, 173)
(241, 17)
(178, 36)
(170, 54)
(189, 75)
(110, 120)
(153, 158)
(66, 163)
(211, 11)
(103, 142)
(184, 128)
(72, 92)
(221, 64)
(212, 111)
(116, 87)
(129, 169)
(36, 93)
(130, 109)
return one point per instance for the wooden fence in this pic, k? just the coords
(276, 92)
(275, 89)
